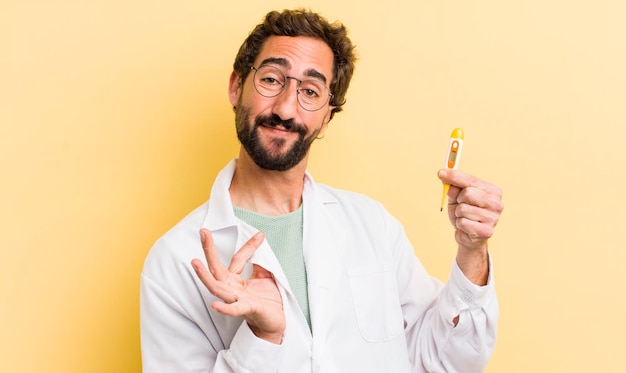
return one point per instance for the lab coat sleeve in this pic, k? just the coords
(435, 344)
(174, 339)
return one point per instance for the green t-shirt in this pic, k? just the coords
(284, 235)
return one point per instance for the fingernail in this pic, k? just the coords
(442, 173)
(202, 237)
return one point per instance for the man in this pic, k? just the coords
(295, 276)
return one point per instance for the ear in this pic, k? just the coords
(325, 122)
(234, 88)
(327, 117)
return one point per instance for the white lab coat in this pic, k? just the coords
(373, 306)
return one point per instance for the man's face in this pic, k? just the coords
(277, 132)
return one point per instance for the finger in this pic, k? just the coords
(241, 257)
(221, 289)
(235, 309)
(474, 213)
(453, 193)
(203, 274)
(217, 268)
(463, 180)
(474, 230)
(481, 198)
(260, 272)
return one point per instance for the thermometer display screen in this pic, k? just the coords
(452, 157)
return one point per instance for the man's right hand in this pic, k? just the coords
(256, 299)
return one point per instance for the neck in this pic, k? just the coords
(266, 192)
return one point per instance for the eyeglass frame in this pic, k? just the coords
(284, 85)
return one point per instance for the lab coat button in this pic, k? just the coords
(468, 298)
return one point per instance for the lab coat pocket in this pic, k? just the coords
(376, 303)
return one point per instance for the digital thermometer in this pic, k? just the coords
(452, 158)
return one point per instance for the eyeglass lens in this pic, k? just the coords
(270, 81)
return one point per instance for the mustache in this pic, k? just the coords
(275, 121)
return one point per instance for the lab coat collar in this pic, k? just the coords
(319, 243)
(220, 214)
(322, 240)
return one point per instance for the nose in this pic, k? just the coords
(286, 103)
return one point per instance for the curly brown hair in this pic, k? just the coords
(302, 22)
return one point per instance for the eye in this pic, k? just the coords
(270, 81)
(270, 77)
(311, 89)
(311, 93)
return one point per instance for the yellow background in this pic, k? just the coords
(115, 120)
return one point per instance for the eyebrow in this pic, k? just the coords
(312, 73)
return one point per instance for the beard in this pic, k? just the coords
(273, 157)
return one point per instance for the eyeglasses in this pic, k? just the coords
(270, 81)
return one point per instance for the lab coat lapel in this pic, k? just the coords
(323, 240)
(263, 256)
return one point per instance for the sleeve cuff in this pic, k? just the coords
(461, 294)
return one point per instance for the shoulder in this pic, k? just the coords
(180, 244)
(356, 206)
(346, 197)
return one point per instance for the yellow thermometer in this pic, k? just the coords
(453, 157)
